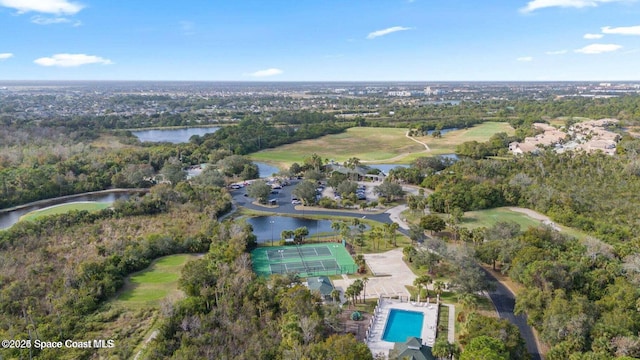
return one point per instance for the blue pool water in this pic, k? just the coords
(402, 324)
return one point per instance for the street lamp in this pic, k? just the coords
(271, 222)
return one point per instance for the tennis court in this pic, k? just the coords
(305, 260)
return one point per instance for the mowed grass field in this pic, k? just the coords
(61, 209)
(365, 143)
(448, 142)
(489, 217)
(377, 145)
(148, 287)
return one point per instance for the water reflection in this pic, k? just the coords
(9, 218)
(174, 136)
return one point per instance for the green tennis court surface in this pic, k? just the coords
(305, 260)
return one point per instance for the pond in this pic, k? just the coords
(267, 228)
(385, 168)
(174, 136)
(443, 131)
(453, 157)
(9, 218)
(266, 170)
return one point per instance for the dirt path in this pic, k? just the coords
(418, 141)
(530, 213)
(401, 156)
(536, 215)
(153, 335)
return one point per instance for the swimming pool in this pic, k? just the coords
(402, 324)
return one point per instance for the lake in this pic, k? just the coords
(267, 227)
(266, 170)
(9, 218)
(174, 136)
(443, 131)
(385, 168)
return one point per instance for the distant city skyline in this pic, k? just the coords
(277, 40)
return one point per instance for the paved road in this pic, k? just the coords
(505, 302)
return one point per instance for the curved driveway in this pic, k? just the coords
(504, 301)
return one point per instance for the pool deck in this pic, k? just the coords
(379, 322)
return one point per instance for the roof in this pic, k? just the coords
(412, 349)
(320, 283)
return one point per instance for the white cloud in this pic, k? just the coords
(386, 31)
(5, 56)
(598, 48)
(266, 72)
(556, 52)
(43, 6)
(593, 36)
(71, 60)
(624, 30)
(525, 59)
(541, 4)
(43, 20)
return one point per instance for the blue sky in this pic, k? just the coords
(320, 40)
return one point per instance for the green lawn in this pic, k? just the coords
(487, 218)
(377, 145)
(148, 287)
(448, 142)
(365, 143)
(61, 209)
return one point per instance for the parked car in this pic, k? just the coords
(296, 202)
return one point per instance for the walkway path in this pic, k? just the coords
(418, 141)
(390, 275)
(394, 215)
(451, 336)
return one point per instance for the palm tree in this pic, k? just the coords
(365, 280)
(358, 286)
(375, 234)
(359, 260)
(336, 226)
(438, 287)
(468, 301)
(442, 349)
(349, 294)
(335, 295)
(286, 234)
(420, 281)
(394, 228)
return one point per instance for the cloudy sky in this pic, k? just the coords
(320, 40)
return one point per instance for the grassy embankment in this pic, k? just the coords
(378, 145)
(63, 208)
(159, 281)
